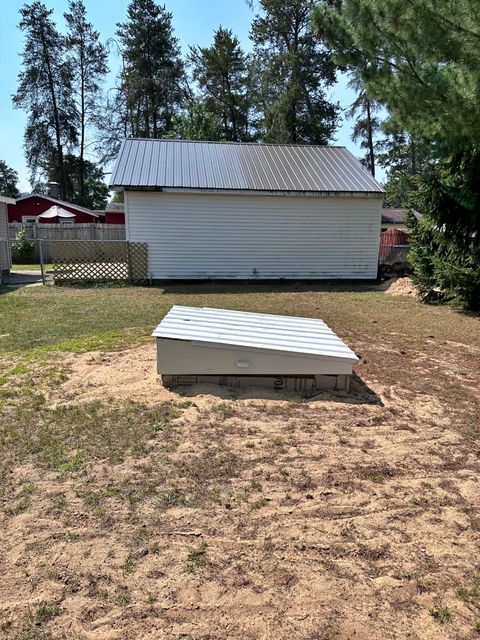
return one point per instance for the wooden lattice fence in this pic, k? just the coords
(77, 261)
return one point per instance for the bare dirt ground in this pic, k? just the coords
(252, 515)
(399, 287)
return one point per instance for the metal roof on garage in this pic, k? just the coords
(254, 330)
(182, 164)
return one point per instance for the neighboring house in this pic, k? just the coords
(5, 253)
(397, 218)
(30, 207)
(115, 213)
(239, 210)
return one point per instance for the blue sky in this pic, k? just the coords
(194, 23)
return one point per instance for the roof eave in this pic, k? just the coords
(266, 192)
(77, 207)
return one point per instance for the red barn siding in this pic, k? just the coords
(114, 217)
(394, 245)
(36, 205)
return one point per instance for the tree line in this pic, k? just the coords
(414, 68)
(276, 93)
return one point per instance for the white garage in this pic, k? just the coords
(237, 211)
(5, 253)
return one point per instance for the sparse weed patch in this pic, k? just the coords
(472, 592)
(196, 559)
(43, 613)
(442, 615)
(224, 410)
(63, 437)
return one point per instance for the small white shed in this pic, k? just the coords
(194, 342)
(5, 252)
(224, 210)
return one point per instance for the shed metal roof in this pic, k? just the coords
(392, 215)
(6, 200)
(254, 330)
(152, 163)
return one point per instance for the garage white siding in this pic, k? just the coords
(5, 260)
(214, 235)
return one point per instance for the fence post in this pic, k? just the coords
(42, 266)
(129, 262)
(35, 240)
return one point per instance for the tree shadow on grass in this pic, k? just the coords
(196, 287)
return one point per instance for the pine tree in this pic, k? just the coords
(367, 125)
(420, 60)
(221, 72)
(407, 160)
(44, 91)
(95, 192)
(445, 252)
(150, 81)
(8, 181)
(88, 59)
(294, 71)
(196, 123)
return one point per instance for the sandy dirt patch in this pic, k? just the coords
(399, 287)
(132, 374)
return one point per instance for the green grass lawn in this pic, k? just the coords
(109, 317)
(30, 267)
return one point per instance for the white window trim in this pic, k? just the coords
(29, 219)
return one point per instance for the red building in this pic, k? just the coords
(115, 213)
(29, 207)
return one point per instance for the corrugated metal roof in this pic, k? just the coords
(255, 330)
(115, 207)
(391, 215)
(150, 163)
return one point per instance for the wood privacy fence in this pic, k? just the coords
(394, 246)
(88, 261)
(45, 231)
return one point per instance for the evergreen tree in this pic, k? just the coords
(366, 126)
(44, 91)
(420, 59)
(88, 59)
(196, 123)
(407, 160)
(150, 82)
(294, 71)
(114, 121)
(95, 190)
(446, 257)
(221, 72)
(8, 181)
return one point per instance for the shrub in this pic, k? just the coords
(23, 248)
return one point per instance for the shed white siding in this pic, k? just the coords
(5, 260)
(218, 235)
